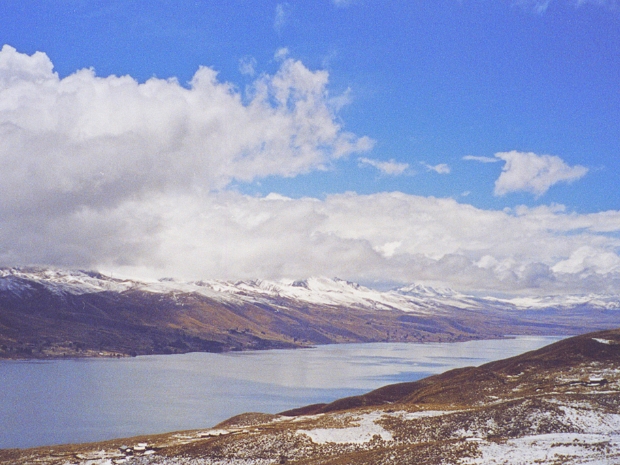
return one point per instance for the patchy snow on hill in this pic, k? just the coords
(549, 449)
(591, 436)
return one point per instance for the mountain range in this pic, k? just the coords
(48, 312)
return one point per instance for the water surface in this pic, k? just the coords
(82, 400)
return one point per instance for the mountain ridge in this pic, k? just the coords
(78, 281)
(55, 313)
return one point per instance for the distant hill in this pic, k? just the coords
(556, 405)
(56, 313)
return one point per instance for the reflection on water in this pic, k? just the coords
(66, 401)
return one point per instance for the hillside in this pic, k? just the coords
(56, 313)
(557, 405)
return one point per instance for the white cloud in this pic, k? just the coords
(441, 168)
(384, 237)
(341, 100)
(588, 258)
(282, 53)
(91, 141)
(391, 168)
(541, 6)
(480, 159)
(247, 66)
(534, 173)
(78, 153)
(537, 6)
(281, 18)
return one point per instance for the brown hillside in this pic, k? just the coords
(40, 323)
(462, 385)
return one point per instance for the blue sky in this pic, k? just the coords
(426, 93)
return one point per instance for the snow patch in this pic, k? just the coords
(363, 433)
(589, 421)
(421, 414)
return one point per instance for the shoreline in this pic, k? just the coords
(108, 354)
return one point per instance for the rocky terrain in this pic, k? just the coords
(60, 313)
(556, 405)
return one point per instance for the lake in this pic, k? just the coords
(84, 400)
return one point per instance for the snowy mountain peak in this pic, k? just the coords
(427, 291)
(60, 281)
(314, 290)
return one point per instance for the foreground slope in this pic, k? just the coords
(556, 405)
(55, 313)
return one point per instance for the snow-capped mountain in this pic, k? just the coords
(52, 312)
(414, 298)
(20, 280)
(601, 301)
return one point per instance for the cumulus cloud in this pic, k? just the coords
(534, 173)
(441, 168)
(391, 167)
(588, 258)
(82, 150)
(90, 141)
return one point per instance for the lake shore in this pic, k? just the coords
(101, 398)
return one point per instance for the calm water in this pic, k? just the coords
(68, 401)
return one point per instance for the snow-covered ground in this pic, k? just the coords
(592, 438)
(362, 431)
(549, 449)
